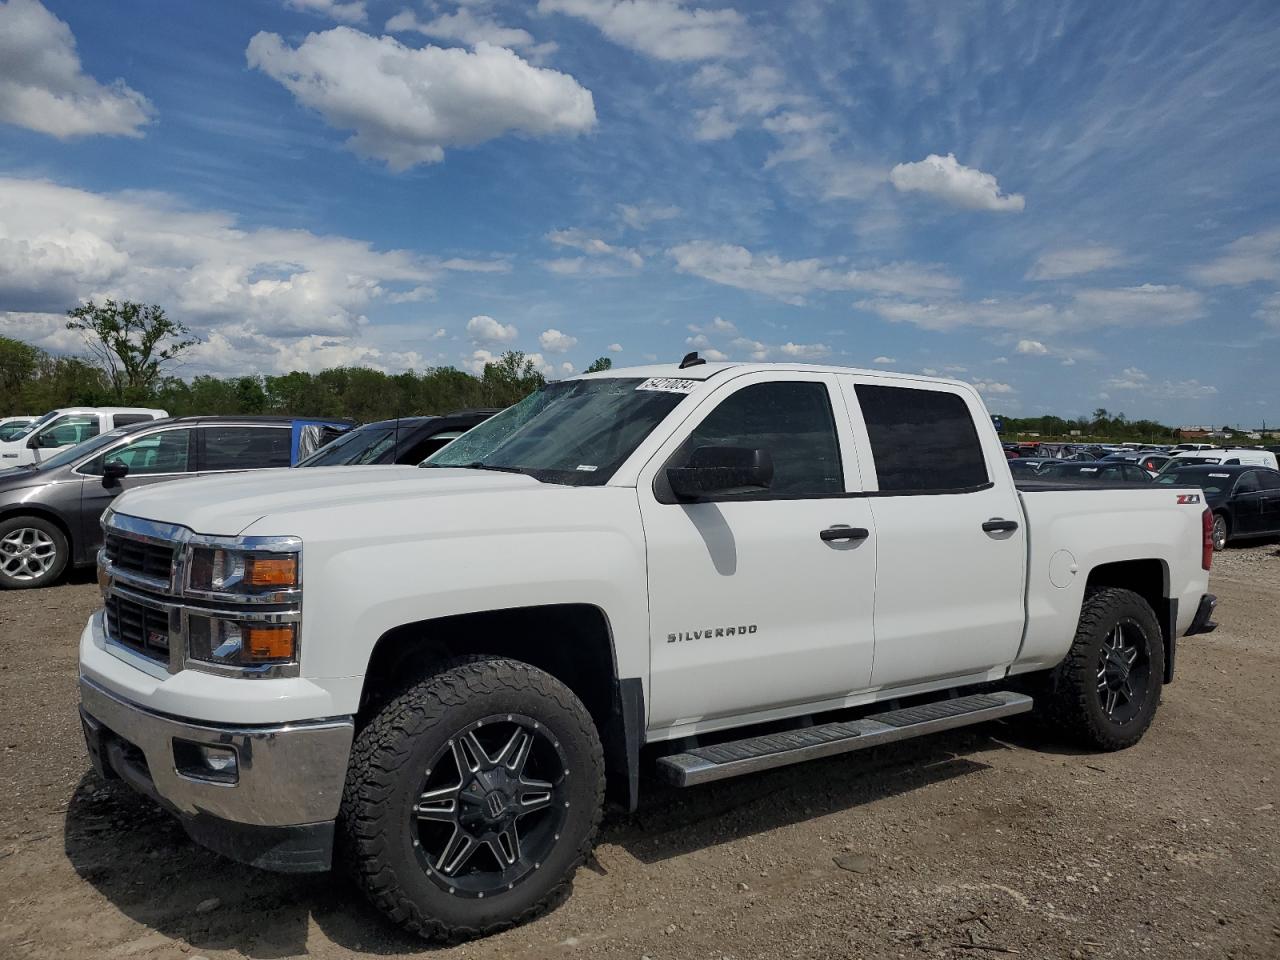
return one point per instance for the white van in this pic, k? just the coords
(66, 427)
(1222, 457)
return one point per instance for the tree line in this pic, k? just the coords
(132, 348)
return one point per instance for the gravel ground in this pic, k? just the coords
(981, 842)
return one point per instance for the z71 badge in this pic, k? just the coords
(1188, 498)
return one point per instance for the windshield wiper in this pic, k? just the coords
(474, 465)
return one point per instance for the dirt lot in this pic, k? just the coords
(974, 844)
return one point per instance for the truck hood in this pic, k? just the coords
(227, 504)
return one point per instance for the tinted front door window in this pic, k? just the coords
(792, 421)
(157, 453)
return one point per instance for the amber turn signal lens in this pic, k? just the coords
(273, 571)
(266, 644)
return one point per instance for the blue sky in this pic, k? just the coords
(1072, 206)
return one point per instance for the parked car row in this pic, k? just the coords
(82, 459)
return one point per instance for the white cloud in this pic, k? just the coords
(951, 181)
(929, 372)
(566, 368)
(954, 314)
(1147, 304)
(553, 341)
(485, 329)
(344, 11)
(464, 26)
(1269, 310)
(1032, 348)
(752, 349)
(262, 290)
(885, 360)
(1060, 264)
(790, 280)
(593, 247)
(1138, 381)
(615, 348)
(640, 216)
(44, 88)
(714, 355)
(477, 360)
(717, 325)
(1069, 362)
(1144, 305)
(992, 386)
(663, 29)
(407, 105)
(804, 351)
(1247, 260)
(1000, 360)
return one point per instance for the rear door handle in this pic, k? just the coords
(839, 532)
(999, 525)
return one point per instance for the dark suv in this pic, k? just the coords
(49, 512)
(408, 440)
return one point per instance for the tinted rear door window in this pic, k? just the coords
(245, 448)
(921, 439)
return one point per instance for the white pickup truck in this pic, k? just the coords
(435, 674)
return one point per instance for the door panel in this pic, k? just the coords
(1270, 480)
(949, 594)
(1247, 504)
(750, 609)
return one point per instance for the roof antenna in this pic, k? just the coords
(691, 360)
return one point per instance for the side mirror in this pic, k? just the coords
(114, 471)
(33, 442)
(716, 471)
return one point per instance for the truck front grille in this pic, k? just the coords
(139, 556)
(141, 628)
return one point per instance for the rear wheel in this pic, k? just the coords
(1105, 693)
(472, 798)
(33, 553)
(1221, 530)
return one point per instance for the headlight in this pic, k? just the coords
(217, 570)
(236, 643)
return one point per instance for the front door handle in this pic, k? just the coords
(999, 525)
(840, 532)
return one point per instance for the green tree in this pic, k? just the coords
(18, 364)
(600, 365)
(131, 342)
(510, 378)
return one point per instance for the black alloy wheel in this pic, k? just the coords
(492, 805)
(1124, 671)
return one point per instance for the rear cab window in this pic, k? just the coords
(922, 440)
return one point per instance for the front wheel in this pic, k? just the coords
(472, 798)
(33, 553)
(1105, 693)
(1220, 532)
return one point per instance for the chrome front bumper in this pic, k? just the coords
(279, 811)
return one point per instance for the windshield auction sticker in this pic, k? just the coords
(669, 385)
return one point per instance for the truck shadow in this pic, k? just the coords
(138, 857)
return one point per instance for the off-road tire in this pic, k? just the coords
(390, 753)
(1069, 702)
(51, 532)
